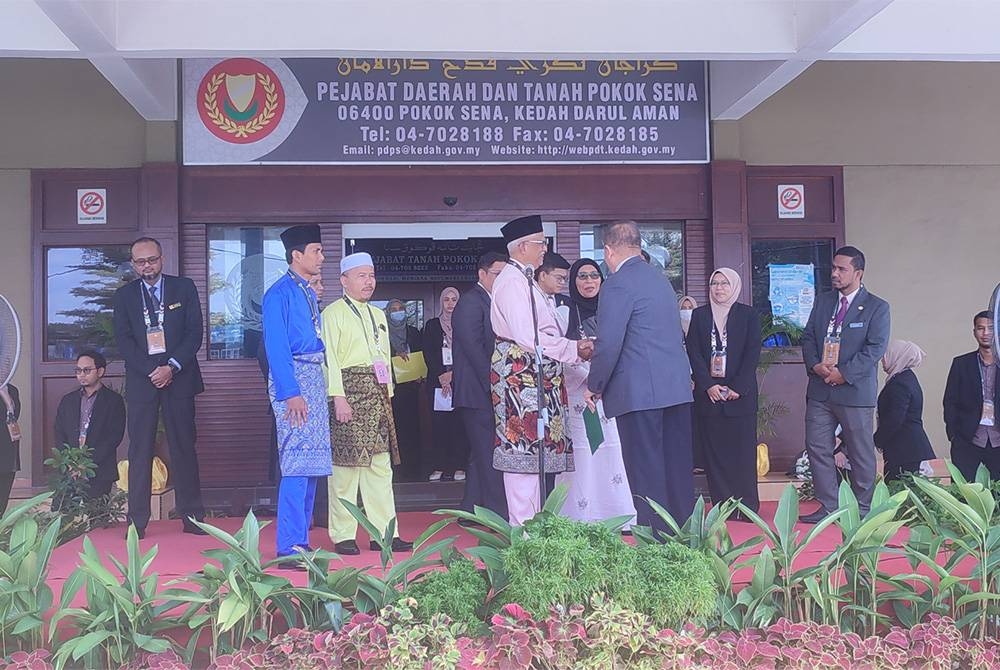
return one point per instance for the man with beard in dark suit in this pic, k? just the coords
(159, 329)
(473, 341)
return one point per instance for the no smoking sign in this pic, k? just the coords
(91, 206)
(791, 201)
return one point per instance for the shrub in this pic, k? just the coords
(558, 561)
(670, 583)
(458, 592)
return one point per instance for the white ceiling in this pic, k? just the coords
(755, 46)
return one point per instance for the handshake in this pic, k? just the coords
(585, 349)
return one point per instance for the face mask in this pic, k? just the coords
(686, 314)
(397, 317)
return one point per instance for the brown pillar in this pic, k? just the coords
(730, 228)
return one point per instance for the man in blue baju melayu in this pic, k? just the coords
(297, 388)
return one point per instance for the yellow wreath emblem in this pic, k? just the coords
(252, 126)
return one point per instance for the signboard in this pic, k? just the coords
(791, 201)
(91, 206)
(792, 292)
(426, 260)
(406, 111)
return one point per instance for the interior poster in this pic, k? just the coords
(792, 292)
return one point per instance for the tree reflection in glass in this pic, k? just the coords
(79, 294)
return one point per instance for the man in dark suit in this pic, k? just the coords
(842, 344)
(641, 371)
(159, 329)
(472, 342)
(971, 397)
(93, 415)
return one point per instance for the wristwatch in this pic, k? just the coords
(173, 367)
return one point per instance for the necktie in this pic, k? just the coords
(842, 312)
(155, 298)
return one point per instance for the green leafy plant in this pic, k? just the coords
(458, 592)
(25, 596)
(234, 597)
(123, 613)
(72, 469)
(374, 593)
(972, 510)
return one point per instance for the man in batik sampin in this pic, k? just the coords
(514, 376)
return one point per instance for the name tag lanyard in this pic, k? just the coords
(719, 344)
(311, 301)
(831, 345)
(378, 363)
(86, 423)
(988, 418)
(155, 341)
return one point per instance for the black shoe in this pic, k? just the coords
(347, 548)
(815, 517)
(140, 532)
(190, 527)
(397, 545)
(292, 564)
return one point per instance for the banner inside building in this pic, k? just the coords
(409, 111)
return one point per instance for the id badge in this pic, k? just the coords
(15, 431)
(831, 350)
(718, 365)
(156, 343)
(988, 415)
(381, 372)
(446, 356)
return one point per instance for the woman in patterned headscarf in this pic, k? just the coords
(449, 447)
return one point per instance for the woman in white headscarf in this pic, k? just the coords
(900, 434)
(723, 345)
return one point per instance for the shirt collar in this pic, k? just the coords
(851, 296)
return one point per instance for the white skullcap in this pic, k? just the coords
(357, 260)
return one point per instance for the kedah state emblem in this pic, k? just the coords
(241, 100)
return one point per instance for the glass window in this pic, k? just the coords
(664, 242)
(80, 284)
(243, 262)
(764, 253)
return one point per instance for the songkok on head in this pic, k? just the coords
(522, 227)
(299, 236)
(357, 260)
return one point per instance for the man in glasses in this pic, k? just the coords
(520, 322)
(93, 416)
(159, 328)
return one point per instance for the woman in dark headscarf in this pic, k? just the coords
(404, 340)
(598, 488)
(585, 279)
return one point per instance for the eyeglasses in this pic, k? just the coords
(588, 275)
(83, 371)
(724, 282)
(542, 242)
(146, 261)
